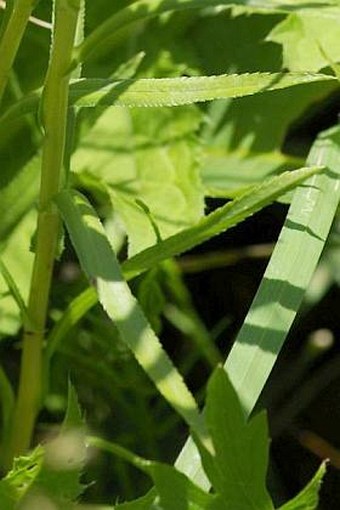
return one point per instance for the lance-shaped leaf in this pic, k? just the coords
(220, 220)
(287, 276)
(100, 264)
(154, 92)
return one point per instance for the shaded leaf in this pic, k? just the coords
(100, 264)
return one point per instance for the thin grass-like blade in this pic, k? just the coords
(281, 292)
(218, 221)
(100, 264)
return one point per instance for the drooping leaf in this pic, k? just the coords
(100, 264)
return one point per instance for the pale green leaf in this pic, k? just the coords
(185, 90)
(149, 158)
(287, 276)
(155, 92)
(310, 39)
(99, 262)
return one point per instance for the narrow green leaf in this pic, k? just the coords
(308, 498)
(99, 262)
(154, 92)
(287, 276)
(289, 272)
(184, 90)
(219, 221)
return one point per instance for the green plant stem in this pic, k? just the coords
(11, 38)
(54, 119)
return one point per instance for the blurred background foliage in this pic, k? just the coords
(203, 296)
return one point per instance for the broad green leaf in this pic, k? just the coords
(168, 91)
(140, 155)
(308, 498)
(243, 138)
(310, 39)
(100, 264)
(287, 276)
(238, 468)
(219, 221)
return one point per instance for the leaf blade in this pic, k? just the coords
(217, 222)
(99, 262)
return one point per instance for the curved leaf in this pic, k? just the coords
(167, 91)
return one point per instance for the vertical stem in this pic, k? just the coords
(54, 119)
(11, 38)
